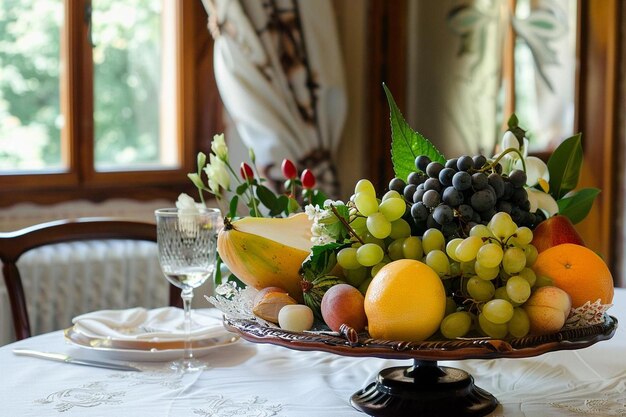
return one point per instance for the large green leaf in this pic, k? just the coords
(407, 144)
(577, 205)
(564, 166)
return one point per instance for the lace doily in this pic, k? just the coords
(233, 301)
(587, 315)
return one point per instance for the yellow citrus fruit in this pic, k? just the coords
(578, 271)
(405, 301)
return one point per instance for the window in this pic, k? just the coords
(98, 95)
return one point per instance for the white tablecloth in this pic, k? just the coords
(264, 380)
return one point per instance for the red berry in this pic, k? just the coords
(289, 169)
(308, 179)
(246, 172)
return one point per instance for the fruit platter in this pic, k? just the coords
(469, 257)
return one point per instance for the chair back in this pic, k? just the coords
(14, 244)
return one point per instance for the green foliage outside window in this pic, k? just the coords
(127, 79)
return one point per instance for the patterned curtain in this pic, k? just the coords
(456, 54)
(279, 71)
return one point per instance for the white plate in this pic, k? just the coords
(148, 355)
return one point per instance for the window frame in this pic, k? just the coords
(81, 180)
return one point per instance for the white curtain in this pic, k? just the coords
(279, 71)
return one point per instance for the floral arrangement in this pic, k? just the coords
(248, 187)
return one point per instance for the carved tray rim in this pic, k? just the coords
(479, 348)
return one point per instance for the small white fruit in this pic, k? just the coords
(295, 317)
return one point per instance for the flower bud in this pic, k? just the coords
(509, 141)
(288, 169)
(308, 179)
(201, 160)
(219, 148)
(246, 172)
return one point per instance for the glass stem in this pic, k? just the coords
(187, 296)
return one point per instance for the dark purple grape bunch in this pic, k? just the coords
(464, 192)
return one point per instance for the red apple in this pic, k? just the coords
(555, 231)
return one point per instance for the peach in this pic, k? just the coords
(263, 292)
(547, 309)
(343, 303)
(269, 301)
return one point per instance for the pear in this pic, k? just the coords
(554, 231)
(267, 252)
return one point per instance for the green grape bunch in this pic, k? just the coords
(496, 279)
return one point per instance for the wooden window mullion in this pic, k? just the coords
(83, 90)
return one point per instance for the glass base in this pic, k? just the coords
(189, 365)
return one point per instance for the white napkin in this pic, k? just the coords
(164, 324)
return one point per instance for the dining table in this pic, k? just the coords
(263, 379)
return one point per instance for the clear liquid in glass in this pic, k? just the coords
(188, 277)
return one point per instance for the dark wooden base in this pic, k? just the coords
(424, 390)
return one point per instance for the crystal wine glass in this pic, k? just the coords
(187, 246)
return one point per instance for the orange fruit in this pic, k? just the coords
(577, 270)
(405, 301)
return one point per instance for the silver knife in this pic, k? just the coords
(60, 357)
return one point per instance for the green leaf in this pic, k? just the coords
(282, 203)
(321, 261)
(333, 225)
(292, 205)
(217, 276)
(318, 198)
(564, 166)
(267, 196)
(578, 204)
(253, 205)
(517, 131)
(241, 188)
(232, 208)
(407, 144)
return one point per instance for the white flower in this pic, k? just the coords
(542, 201)
(219, 148)
(509, 160)
(317, 229)
(536, 172)
(217, 174)
(335, 203)
(509, 140)
(187, 204)
(311, 211)
(188, 209)
(322, 229)
(321, 240)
